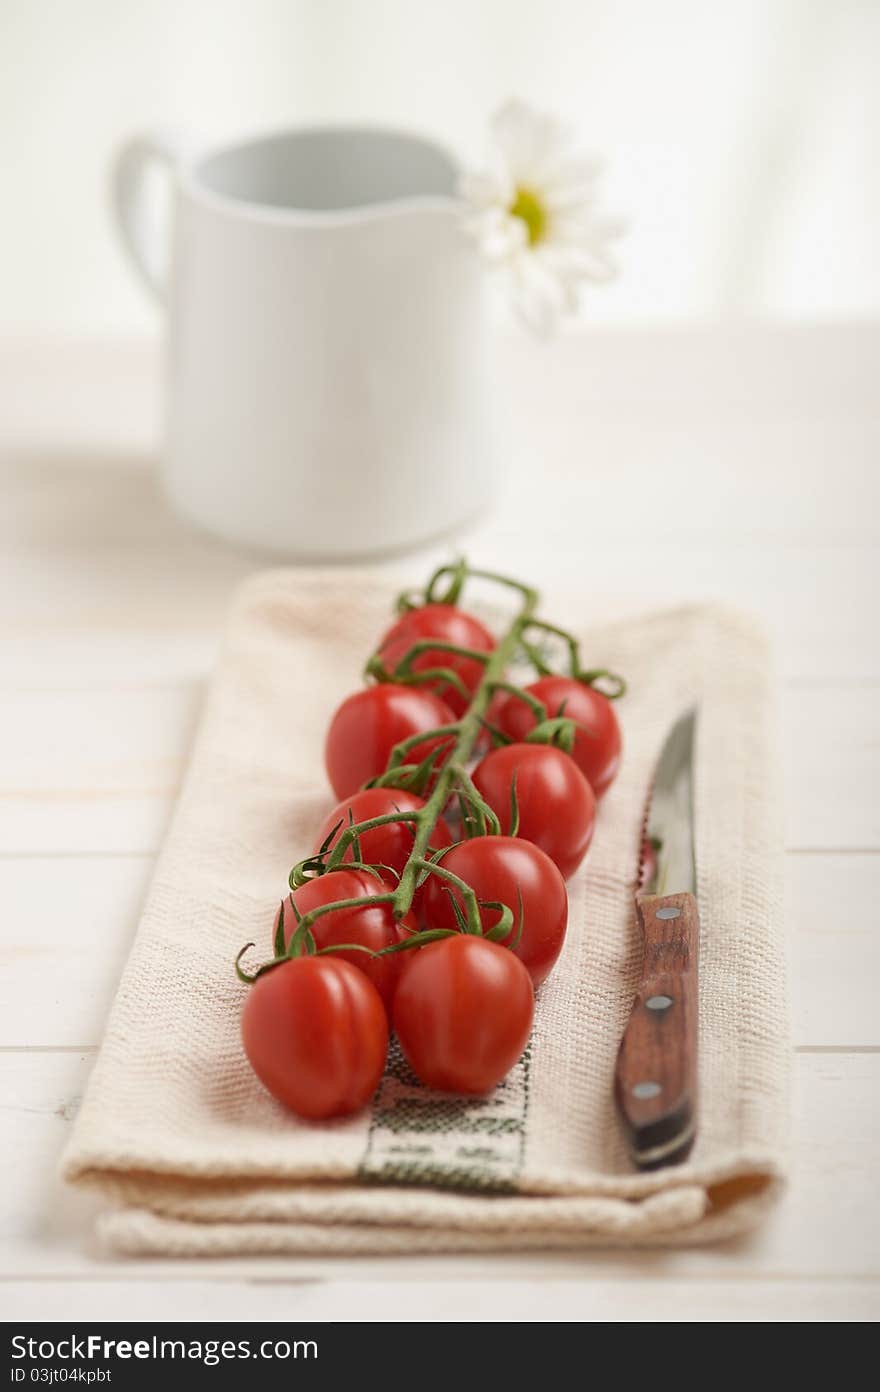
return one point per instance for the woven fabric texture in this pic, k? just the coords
(197, 1158)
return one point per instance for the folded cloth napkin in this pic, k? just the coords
(198, 1159)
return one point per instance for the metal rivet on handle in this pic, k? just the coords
(658, 1002)
(669, 913)
(646, 1090)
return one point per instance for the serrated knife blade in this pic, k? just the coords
(656, 1074)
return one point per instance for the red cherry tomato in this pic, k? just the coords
(374, 926)
(450, 625)
(597, 739)
(368, 725)
(463, 1012)
(316, 1034)
(383, 845)
(502, 868)
(557, 809)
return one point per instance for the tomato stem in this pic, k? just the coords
(487, 816)
(559, 730)
(308, 919)
(469, 728)
(357, 829)
(538, 709)
(468, 894)
(400, 751)
(404, 667)
(598, 674)
(588, 677)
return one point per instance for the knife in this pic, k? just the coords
(656, 1075)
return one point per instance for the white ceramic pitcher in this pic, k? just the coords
(327, 365)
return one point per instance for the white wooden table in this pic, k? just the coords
(651, 465)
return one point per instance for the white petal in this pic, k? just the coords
(562, 276)
(581, 226)
(549, 140)
(571, 196)
(571, 172)
(510, 127)
(536, 311)
(540, 297)
(529, 140)
(483, 189)
(573, 264)
(500, 237)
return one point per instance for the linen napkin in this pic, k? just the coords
(198, 1159)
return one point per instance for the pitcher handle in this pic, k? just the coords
(146, 236)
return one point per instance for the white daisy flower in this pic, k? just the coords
(533, 214)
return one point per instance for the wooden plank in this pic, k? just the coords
(175, 589)
(737, 426)
(215, 1299)
(826, 1228)
(70, 400)
(97, 770)
(91, 771)
(835, 949)
(89, 652)
(696, 415)
(737, 497)
(702, 372)
(68, 927)
(831, 743)
(97, 901)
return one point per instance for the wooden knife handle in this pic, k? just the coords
(655, 1080)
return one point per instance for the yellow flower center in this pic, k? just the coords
(528, 206)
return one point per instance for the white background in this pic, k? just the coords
(738, 133)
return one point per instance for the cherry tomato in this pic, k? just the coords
(316, 1034)
(502, 868)
(368, 725)
(557, 809)
(463, 1012)
(450, 625)
(383, 845)
(597, 739)
(374, 926)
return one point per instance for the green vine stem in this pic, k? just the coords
(486, 817)
(443, 676)
(588, 677)
(469, 730)
(616, 681)
(404, 667)
(558, 730)
(400, 751)
(538, 709)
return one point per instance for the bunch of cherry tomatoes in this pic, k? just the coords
(434, 900)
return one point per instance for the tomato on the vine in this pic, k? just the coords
(368, 725)
(389, 844)
(463, 1012)
(449, 624)
(373, 926)
(597, 741)
(506, 870)
(316, 1034)
(557, 809)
